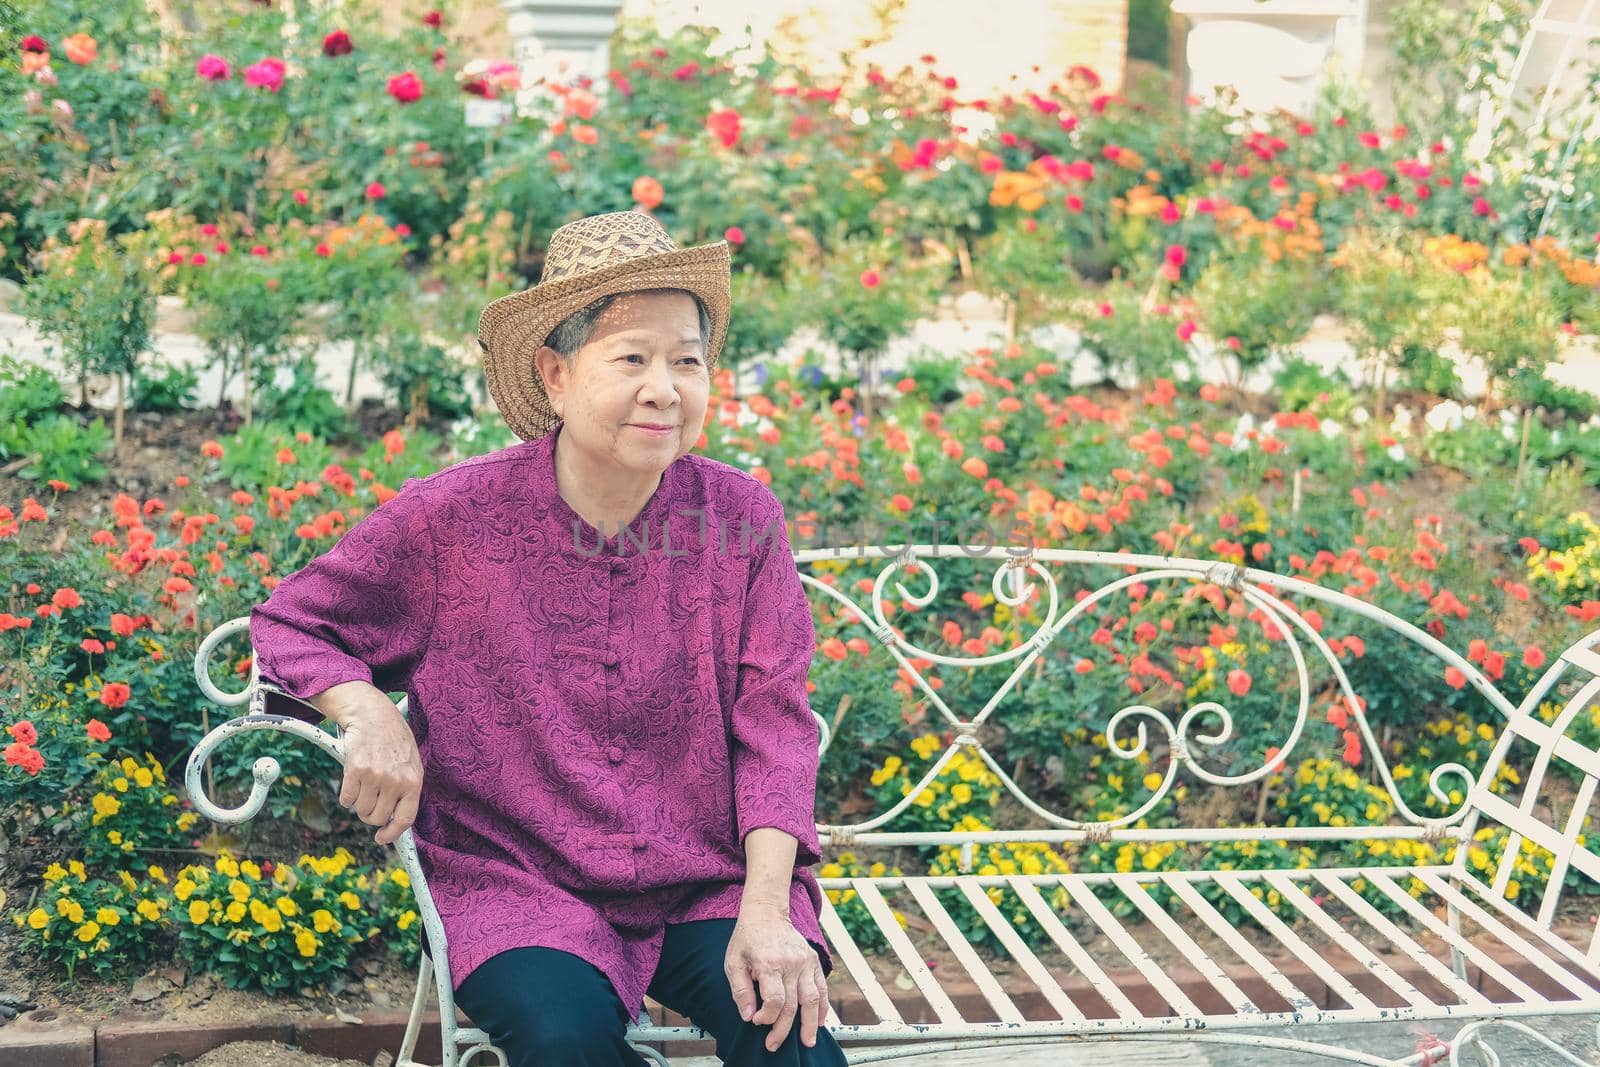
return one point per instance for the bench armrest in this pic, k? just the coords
(266, 769)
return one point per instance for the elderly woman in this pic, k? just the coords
(609, 763)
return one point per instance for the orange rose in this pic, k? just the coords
(80, 48)
(648, 192)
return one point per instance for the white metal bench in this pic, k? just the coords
(1374, 967)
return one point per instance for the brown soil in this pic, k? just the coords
(266, 1054)
(375, 984)
(157, 447)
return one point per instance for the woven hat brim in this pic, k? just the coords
(513, 328)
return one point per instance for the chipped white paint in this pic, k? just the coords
(1198, 730)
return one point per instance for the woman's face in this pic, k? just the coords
(636, 393)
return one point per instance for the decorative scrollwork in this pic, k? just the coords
(1205, 726)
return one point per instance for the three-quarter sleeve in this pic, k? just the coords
(775, 737)
(361, 611)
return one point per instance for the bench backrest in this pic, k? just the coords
(1531, 807)
(1467, 798)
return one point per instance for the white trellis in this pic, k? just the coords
(1482, 929)
(1573, 27)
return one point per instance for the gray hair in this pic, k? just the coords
(575, 329)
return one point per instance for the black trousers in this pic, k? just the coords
(548, 1008)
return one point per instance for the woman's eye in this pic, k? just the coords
(690, 359)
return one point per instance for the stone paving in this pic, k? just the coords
(1576, 1034)
(959, 326)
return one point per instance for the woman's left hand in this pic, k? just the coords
(768, 953)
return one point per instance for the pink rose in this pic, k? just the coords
(267, 74)
(213, 68)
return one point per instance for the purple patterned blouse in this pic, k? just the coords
(600, 721)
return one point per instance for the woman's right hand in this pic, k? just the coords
(382, 768)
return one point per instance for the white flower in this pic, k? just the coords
(1360, 416)
(1396, 452)
(1401, 426)
(1444, 416)
(1331, 429)
(1246, 423)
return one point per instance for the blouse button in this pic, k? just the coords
(614, 753)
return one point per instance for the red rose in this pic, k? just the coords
(434, 19)
(337, 43)
(34, 43)
(406, 88)
(98, 731)
(115, 694)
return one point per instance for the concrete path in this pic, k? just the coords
(1576, 1034)
(954, 330)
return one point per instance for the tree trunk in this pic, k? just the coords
(1522, 452)
(244, 367)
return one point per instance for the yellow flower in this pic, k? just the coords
(250, 871)
(120, 784)
(401, 878)
(114, 836)
(157, 874)
(306, 942)
(38, 918)
(287, 906)
(127, 881)
(143, 778)
(405, 920)
(149, 909)
(77, 868)
(324, 921)
(236, 911)
(924, 799)
(129, 765)
(238, 890)
(199, 912)
(926, 745)
(272, 922)
(350, 900)
(88, 931)
(186, 820)
(74, 911)
(107, 917)
(258, 911)
(105, 805)
(961, 792)
(226, 865)
(54, 873)
(1152, 781)
(183, 889)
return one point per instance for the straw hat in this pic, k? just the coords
(592, 257)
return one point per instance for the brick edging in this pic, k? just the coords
(64, 1042)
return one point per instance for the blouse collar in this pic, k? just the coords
(582, 541)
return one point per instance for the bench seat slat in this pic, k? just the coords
(1400, 939)
(1085, 899)
(1208, 967)
(1513, 938)
(1185, 891)
(1380, 877)
(1047, 918)
(910, 958)
(1358, 950)
(847, 951)
(1290, 940)
(1002, 928)
(981, 976)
